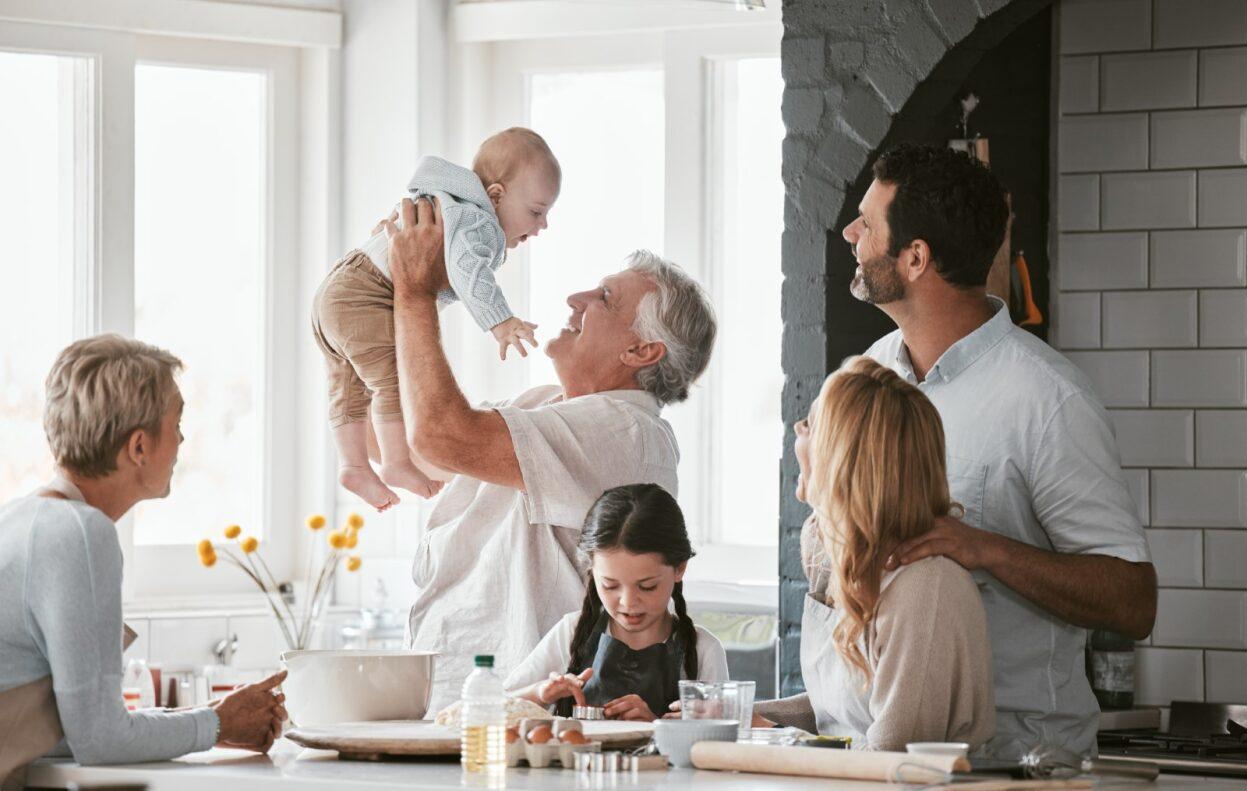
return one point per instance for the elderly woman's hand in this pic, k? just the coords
(251, 716)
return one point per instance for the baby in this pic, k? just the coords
(502, 201)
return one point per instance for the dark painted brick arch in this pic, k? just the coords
(854, 71)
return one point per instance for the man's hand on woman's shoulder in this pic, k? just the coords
(968, 546)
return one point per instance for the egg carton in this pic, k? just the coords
(558, 748)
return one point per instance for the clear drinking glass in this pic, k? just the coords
(718, 700)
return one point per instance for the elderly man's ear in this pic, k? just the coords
(643, 355)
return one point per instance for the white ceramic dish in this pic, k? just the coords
(326, 687)
(943, 749)
(676, 737)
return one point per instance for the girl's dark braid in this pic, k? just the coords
(590, 611)
(687, 631)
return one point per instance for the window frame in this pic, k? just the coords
(297, 462)
(693, 222)
(172, 570)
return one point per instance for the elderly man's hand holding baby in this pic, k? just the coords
(417, 251)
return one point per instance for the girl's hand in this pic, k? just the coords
(562, 685)
(629, 707)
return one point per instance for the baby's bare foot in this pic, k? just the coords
(406, 475)
(365, 483)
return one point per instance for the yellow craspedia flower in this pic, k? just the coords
(315, 522)
(208, 560)
(337, 539)
(353, 563)
(204, 547)
(233, 531)
(249, 544)
(355, 521)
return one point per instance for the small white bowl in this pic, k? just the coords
(676, 737)
(940, 749)
(326, 687)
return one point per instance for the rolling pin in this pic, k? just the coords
(810, 762)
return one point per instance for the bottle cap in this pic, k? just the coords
(484, 660)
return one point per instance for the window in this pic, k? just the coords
(199, 285)
(609, 204)
(39, 249)
(746, 427)
(670, 142)
(151, 189)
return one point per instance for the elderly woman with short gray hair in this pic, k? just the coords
(111, 416)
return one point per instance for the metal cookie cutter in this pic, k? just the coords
(588, 713)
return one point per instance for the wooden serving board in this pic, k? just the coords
(374, 740)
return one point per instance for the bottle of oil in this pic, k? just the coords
(1112, 669)
(483, 720)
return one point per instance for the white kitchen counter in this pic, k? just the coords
(292, 767)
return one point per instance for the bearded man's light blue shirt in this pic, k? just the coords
(1031, 456)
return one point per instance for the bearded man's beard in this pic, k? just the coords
(878, 282)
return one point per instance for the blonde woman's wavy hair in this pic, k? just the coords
(877, 478)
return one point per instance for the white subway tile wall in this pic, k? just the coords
(1080, 85)
(1119, 377)
(1207, 259)
(1148, 80)
(1226, 674)
(1225, 557)
(1155, 437)
(1178, 555)
(1079, 325)
(1148, 200)
(1163, 675)
(1079, 203)
(1151, 302)
(1150, 319)
(1223, 71)
(1091, 261)
(1222, 197)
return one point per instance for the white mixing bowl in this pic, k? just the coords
(325, 687)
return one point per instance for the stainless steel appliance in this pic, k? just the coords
(1202, 739)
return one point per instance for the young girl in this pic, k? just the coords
(625, 650)
(887, 657)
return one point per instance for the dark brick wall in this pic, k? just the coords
(860, 75)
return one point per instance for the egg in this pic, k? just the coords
(573, 737)
(513, 735)
(540, 735)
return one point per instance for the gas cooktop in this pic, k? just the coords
(1203, 739)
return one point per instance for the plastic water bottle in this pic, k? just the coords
(138, 690)
(483, 720)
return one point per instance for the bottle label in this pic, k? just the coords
(1112, 671)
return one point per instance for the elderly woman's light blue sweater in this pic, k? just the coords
(60, 615)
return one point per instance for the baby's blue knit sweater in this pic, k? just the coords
(475, 243)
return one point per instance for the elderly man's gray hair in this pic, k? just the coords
(678, 314)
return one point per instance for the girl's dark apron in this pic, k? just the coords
(653, 673)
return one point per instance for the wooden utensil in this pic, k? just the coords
(371, 741)
(841, 764)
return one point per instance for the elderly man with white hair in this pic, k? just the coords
(497, 567)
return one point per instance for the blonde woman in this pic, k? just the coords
(887, 657)
(111, 414)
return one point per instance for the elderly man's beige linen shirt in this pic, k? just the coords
(497, 567)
